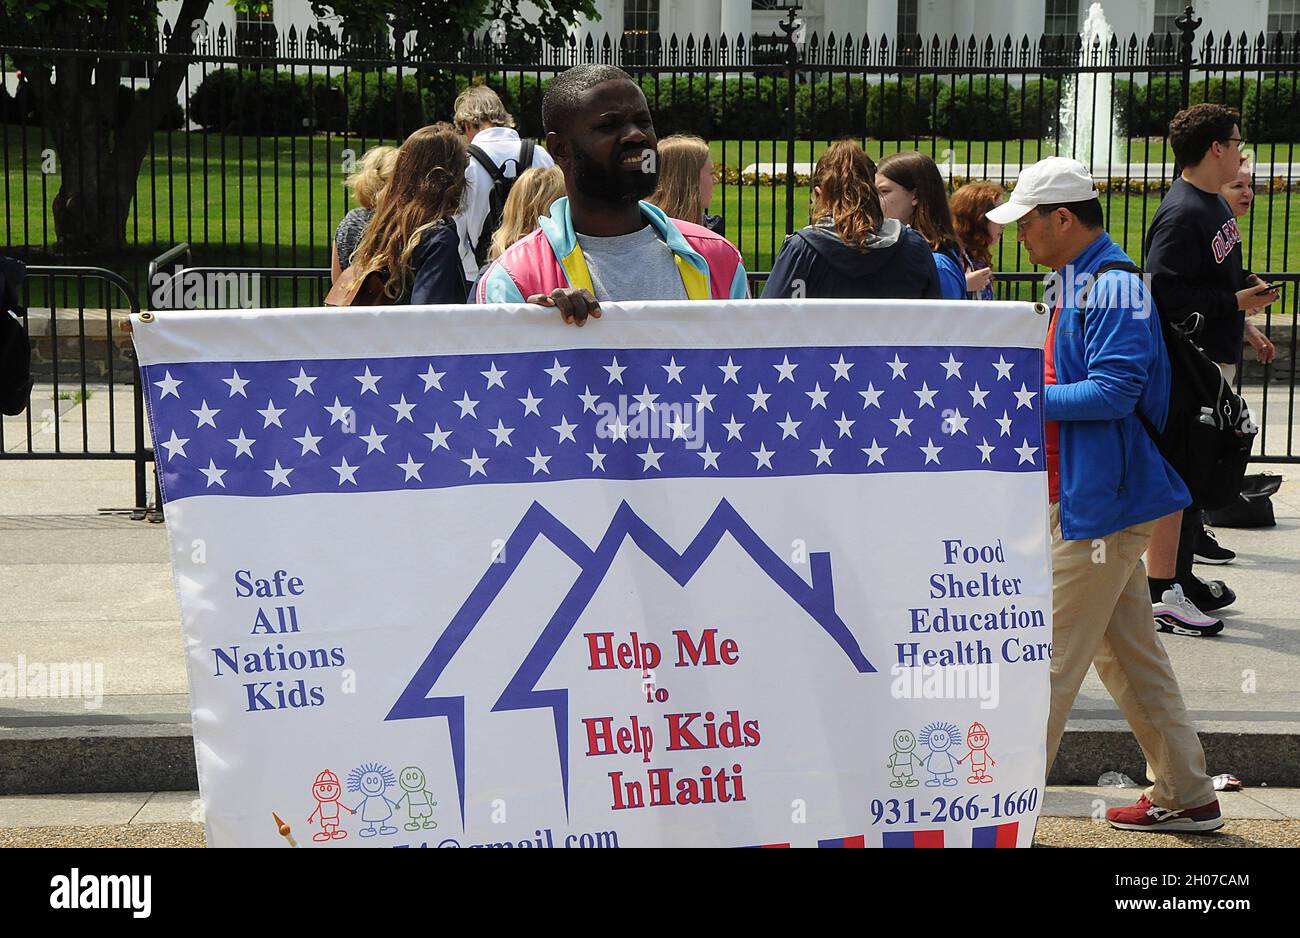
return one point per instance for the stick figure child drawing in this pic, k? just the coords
(977, 738)
(939, 737)
(419, 800)
(326, 791)
(901, 759)
(372, 780)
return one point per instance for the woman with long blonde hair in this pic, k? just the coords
(366, 184)
(530, 197)
(685, 184)
(851, 250)
(412, 239)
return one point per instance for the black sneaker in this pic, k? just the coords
(1209, 550)
(1208, 595)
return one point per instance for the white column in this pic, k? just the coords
(882, 20)
(851, 18)
(736, 19)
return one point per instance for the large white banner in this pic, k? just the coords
(716, 574)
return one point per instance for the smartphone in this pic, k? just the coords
(1264, 290)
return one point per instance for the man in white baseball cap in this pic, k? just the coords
(1106, 371)
(1053, 181)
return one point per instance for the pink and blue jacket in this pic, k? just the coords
(710, 266)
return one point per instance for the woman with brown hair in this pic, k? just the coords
(976, 235)
(412, 239)
(530, 197)
(685, 187)
(851, 250)
(912, 190)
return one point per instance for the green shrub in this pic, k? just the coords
(1035, 108)
(832, 109)
(978, 108)
(897, 110)
(1271, 113)
(374, 100)
(212, 103)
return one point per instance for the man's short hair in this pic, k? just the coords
(1089, 212)
(1193, 131)
(479, 104)
(566, 89)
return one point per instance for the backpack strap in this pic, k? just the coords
(526, 148)
(1130, 268)
(486, 162)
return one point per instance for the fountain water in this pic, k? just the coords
(1087, 118)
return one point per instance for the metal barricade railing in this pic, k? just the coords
(82, 360)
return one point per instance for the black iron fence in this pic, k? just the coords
(247, 163)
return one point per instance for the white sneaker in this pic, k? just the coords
(1177, 614)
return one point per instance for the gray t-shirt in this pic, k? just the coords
(636, 266)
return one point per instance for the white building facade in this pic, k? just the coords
(874, 18)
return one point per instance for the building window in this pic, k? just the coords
(909, 25)
(254, 28)
(1167, 12)
(1061, 18)
(1283, 16)
(641, 17)
(641, 30)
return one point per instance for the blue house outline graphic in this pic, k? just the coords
(817, 599)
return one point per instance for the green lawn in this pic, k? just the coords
(275, 201)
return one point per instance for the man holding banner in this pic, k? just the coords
(602, 242)
(1106, 364)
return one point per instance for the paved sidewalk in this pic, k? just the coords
(1260, 817)
(78, 586)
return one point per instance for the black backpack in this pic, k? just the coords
(1209, 432)
(15, 348)
(501, 185)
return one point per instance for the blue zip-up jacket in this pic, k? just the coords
(1110, 362)
(952, 277)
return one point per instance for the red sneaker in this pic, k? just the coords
(1145, 816)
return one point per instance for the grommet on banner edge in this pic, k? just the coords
(147, 316)
(1040, 309)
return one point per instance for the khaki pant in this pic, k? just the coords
(1102, 617)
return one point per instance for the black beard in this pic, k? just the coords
(609, 182)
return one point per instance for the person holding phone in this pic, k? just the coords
(1240, 195)
(1193, 255)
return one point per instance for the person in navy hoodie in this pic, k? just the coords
(1105, 368)
(851, 251)
(912, 190)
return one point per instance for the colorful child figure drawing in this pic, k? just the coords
(977, 738)
(419, 802)
(939, 737)
(326, 790)
(372, 780)
(901, 759)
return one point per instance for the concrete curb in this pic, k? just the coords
(160, 757)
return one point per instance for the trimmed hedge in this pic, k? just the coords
(983, 108)
(265, 101)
